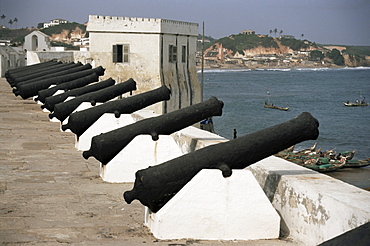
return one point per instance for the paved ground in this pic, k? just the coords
(50, 195)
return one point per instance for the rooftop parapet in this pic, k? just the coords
(98, 23)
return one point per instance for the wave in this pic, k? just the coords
(356, 68)
(274, 69)
(225, 70)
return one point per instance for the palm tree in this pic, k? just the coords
(270, 32)
(302, 35)
(2, 18)
(15, 20)
(275, 31)
(281, 32)
(11, 23)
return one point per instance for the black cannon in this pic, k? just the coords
(64, 109)
(107, 145)
(156, 185)
(49, 71)
(20, 71)
(80, 82)
(80, 121)
(29, 90)
(53, 100)
(63, 72)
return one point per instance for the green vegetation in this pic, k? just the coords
(357, 50)
(64, 26)
(15, 35)
(316, 54)
(337, 58)
(295, 44)
(4, 32)
(240, 42)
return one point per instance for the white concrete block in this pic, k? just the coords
(211, 207)
(314, 207)
(140, 153)
(107, 122)
(191, 139)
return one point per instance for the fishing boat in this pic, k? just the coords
(325, 168)
(355, 104)
(266, 105)
(357, 163)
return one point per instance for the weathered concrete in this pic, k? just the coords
(50, 195)
(314, 207)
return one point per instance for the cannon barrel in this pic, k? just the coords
(107, 145)
(64, 109)
(68, 70)
(156, 185)
(80, 82)
(48, 72)
(20, 71)
(80, 121)
(53, 100)
(29, 90)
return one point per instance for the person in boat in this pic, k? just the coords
(235, 134)
(363, 100)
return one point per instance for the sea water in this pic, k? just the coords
(320, 92)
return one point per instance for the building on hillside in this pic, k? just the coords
(248, 32)
(55, 22)
(287, 36)
(36, 41)
(154, 52)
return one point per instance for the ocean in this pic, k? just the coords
(320, 92)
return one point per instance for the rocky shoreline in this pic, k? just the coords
(236, 66)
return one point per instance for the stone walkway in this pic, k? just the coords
(51, 195)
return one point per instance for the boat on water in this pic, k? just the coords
(325, 168)
(355, 104)
(266, 105)
(358, 163)
(322, 161)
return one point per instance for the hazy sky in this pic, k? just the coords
(344, 22)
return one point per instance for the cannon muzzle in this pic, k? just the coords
(27, 90)
(156, 185)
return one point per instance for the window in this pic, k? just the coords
(172, 54)
(121, 53)
(183, 54)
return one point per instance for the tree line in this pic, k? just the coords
(10, 22)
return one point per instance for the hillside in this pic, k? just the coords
(247, 46)
(60, 35)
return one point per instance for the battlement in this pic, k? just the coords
(98, 23)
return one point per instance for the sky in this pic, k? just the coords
(341, 22)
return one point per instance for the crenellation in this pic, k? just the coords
(92, 18)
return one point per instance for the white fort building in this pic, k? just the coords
(154, 52)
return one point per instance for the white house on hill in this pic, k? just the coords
(55, 22)
(154, 52)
